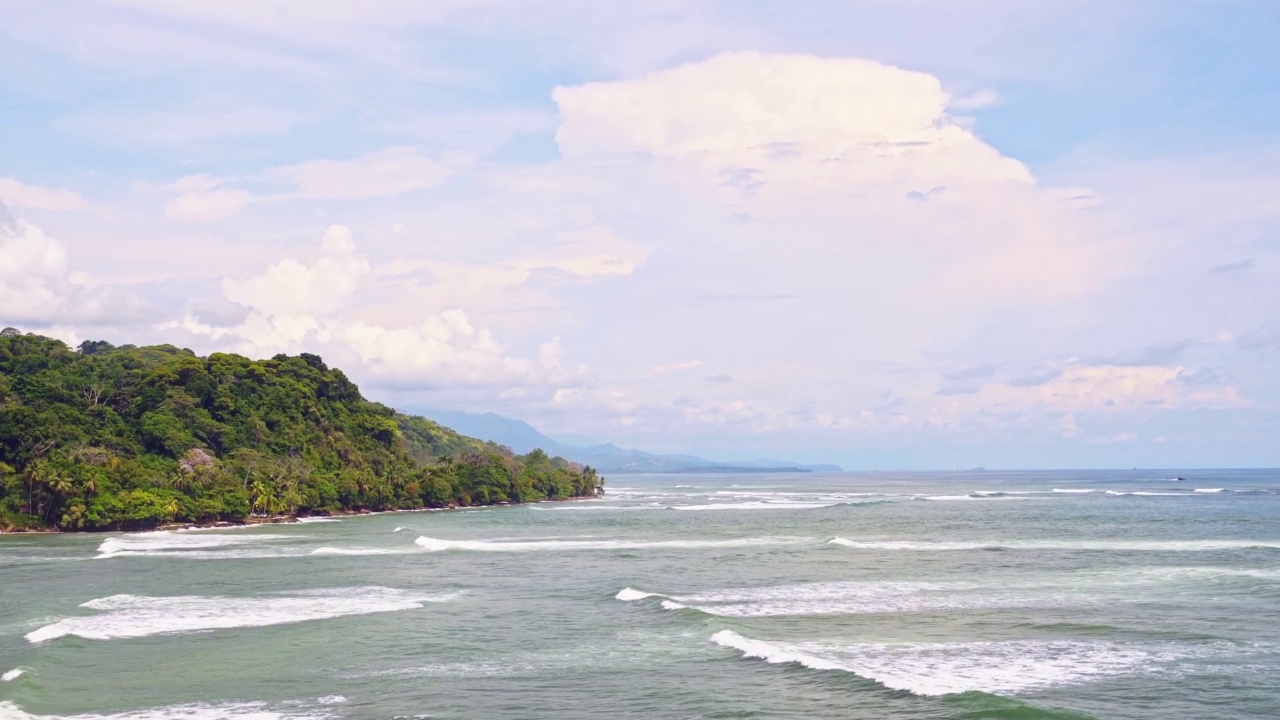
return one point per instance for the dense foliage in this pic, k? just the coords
(105, 437)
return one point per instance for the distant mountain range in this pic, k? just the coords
(522, 437)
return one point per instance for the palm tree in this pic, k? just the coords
(37, 473)
(74, 516)
(264, 497)
(60, 484)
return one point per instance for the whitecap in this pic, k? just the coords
(358, 551)
(13, 674)
(129, 616)
(1098, 545)
(1210, 490)
(851, 598)
(172, 543)
(1076, 491)
(193, 711)
(318, 519)
(399, 529)
(436, 544)
(975, 496)
(331, 699)
(1007, 667)
(759, 505)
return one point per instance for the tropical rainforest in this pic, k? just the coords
(102, 437)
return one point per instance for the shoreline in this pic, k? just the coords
(282, 519)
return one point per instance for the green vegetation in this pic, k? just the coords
(106, 437)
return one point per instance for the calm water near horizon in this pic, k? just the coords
(1085, 594)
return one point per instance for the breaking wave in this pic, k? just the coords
(860, 598)
(1101, 545)
(130, 616)
(437, 545)
(173, 543)
(1010, 667)
(193, 711)
(13, 674)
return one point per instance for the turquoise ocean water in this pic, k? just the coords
(950, 595)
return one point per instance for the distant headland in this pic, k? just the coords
(107, 438)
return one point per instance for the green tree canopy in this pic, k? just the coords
(107, 437)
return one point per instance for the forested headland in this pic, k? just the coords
(102, 437)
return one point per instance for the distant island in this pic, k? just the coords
(607, 457)
(107, 438)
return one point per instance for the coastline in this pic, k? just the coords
(281, 519)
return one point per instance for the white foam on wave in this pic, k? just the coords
(13, 674)
(1143, 493)
(173, 543)
(854, 598)
(399, 529)
(761, 505)
(437, 545)
(359, 551)
(1009, 667)
(972, 497)
(1101, 545)
(331, 699)
(1076, 491)
(318, 519)
(129, 616)
(192, 711)
(1210, 490)
(590, 507)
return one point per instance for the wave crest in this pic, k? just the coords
(438, 545)
(129, 616)
(192, 711)
(1013, 666)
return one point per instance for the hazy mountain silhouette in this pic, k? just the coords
(522, 437)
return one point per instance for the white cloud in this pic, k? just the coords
(15, 193)
(38, 286)
(784, 116)
(1104, 389)
(290, 288)
(675, 367)
(858, 157)
(296, 305)
(33, 274)
(206, 205)
(572, 257)
(391, 171)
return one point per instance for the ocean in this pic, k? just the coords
(1099, 594)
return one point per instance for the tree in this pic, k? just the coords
(126, 437)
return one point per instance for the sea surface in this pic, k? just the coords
(1125, 594)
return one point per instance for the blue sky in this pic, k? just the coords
(885, 234)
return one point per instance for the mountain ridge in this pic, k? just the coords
(606, 457)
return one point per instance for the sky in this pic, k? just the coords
(886, 234)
